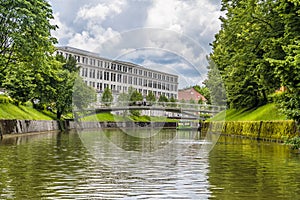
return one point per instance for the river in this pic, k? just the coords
(169, 164)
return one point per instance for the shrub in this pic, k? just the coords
(294, 142)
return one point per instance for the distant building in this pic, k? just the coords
(101, 73)
(190, 94)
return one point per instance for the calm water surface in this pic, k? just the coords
(167, 165)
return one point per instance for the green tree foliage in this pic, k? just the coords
(59, 87)
(19, 83)
(214, 91)
(150, 97)
(162, 98)
(204, 90)
(134, 97)
(257, 51)
(83, 95)
(123, 99)
(25, 39)
(173, 101)
(107, 97)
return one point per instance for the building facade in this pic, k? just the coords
(101, 73)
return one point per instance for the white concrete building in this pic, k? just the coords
(100, 73)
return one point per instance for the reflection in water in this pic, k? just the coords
(250, 169)
(169, 165)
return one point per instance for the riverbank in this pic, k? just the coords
(9, 111)
(16, 127)
(262, 130)
(268, 112)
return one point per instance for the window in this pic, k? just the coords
(113, 66)
(154, 84)
(106, 76)
(168, 87)
(149, 83)
(119, 78)
(119, 67)
(124, 69)
(129, 80)
(119, 88)
(124, 79)
(113, 77)
(99, 74)
(159, 85)
(135, 80)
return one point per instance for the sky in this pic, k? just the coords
(172, 36)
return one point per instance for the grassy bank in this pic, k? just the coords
(268, 112)
(11, 111)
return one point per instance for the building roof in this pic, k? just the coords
(190, 94)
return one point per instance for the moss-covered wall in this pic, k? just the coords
(266, 130)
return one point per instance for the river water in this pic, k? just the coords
(111, 164)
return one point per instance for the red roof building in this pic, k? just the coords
(190, 94)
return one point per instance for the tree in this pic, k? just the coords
(173, 101)
(287, 67)
(162, 99)
(63, 87)
(107, 97)
(134, 97)
(19, 84)
(83, 95)
(204, 90)
(242, 47)
(150, 97)
(25, 39)
(123, 99)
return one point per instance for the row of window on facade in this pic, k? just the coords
(119, 89)
(114, 77)
(119, 67)
(140, 82)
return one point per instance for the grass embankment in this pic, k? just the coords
(11, 111)
(268, 112)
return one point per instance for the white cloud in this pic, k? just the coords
(63, 32)
(101, 11)
(176, 31)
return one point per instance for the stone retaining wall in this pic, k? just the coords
(30, 126)
(27, 126)
(264, 130)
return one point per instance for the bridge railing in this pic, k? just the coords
(179, 105)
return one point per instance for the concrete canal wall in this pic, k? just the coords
(264, 130)
(27, 126)
(30, 126)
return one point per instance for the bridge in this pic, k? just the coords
(186, 110)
